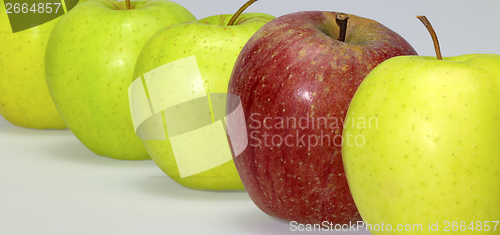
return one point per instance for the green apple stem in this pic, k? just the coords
(238, 13)
(429, 27)
(341, 20)
(127, 3)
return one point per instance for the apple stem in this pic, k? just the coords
(127, 2)
(238, 13)
(429, 27)
(341, 20)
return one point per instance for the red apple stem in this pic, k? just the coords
(238, 13)
(341, 20)
(127, 3)
(429, 27)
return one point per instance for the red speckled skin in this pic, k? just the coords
(294, 66)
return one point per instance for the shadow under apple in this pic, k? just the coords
(13, 130)
(163, 186)
(69, 148)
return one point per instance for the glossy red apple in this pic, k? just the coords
(295, 79)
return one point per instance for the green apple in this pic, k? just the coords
(216, 47)
(421, 145)
(89, 65)
(24, 97)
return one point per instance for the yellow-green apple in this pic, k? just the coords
(215, 46)
(24, 97)
(422, 145)
(295, 78)
(89, 65)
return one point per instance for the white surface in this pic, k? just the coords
(51, 184)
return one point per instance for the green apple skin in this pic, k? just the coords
(24, 97)
(434, 156)
(89, 65)
(216, 47)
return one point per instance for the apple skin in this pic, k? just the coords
(435, 154)
(207, 39)
(24, 97)
(294, 67)
(90, 60)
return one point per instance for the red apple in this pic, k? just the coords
(295, 79)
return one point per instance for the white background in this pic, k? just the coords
(463, 26)
(51, 184)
